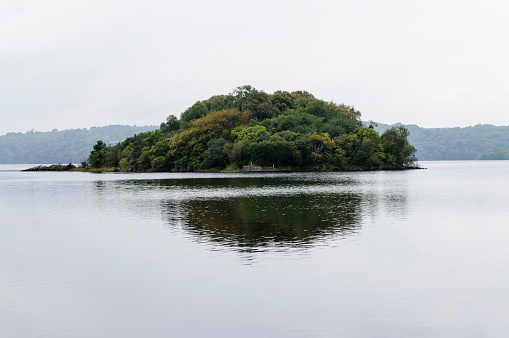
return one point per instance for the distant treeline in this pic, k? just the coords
(288, 130)
(66, 146)
(480, 142)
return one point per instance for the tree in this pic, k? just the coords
(194, 112)
(399, 153)
(258, 103)
(349, 143)
(219, 102)
(239, 153)
(322, 148)
(283, 101)
(192, 142)
(144, 160)
(97, 157)
(367, 155)
(171, 124)
(276, 152)
(361, 149)
(216, 155)
(161, 163)
(252, 134)
(316, 107)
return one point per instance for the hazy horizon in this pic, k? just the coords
(88, 128)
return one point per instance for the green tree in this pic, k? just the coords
(97, 158)
(277, 152)
(171, 124)
(219, 102)
(369, 153)
(399, 153)
(252, 134)
(194, 112)
(161, 163)
(161, 148)
(216, 155)
(258, 103)
(239, 153)
(144, 160)
(283, 101)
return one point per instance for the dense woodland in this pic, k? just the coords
(480, 142)
(72, 145)
(287, 130)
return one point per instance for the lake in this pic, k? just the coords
(366, 254)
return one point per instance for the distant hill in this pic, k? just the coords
(483, 141)
(65, 146)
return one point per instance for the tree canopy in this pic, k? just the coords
(292, 130)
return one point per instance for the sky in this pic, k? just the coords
(75, 64)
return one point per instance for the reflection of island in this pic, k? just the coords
(251, 212)
(250, 222)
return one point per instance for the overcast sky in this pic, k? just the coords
(74, 64)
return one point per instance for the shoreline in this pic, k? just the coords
(245, 169)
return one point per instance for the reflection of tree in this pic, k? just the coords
(261, 212)
(257, 221)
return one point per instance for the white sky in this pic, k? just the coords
(74, 64)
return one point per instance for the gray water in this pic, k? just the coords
(421, 253)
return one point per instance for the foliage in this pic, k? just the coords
(284, 129)
(192, 142)
(171, 124)
(216, 155)
(396, 146)
(97, 158)
(194, 112)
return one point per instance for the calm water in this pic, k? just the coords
(385, 254)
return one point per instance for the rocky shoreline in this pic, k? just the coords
(53, 167)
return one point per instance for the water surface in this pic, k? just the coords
(402, 253)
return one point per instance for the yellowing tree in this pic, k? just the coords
(192, 142)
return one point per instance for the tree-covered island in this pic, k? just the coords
(287, 130)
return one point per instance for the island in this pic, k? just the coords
(249, 127)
